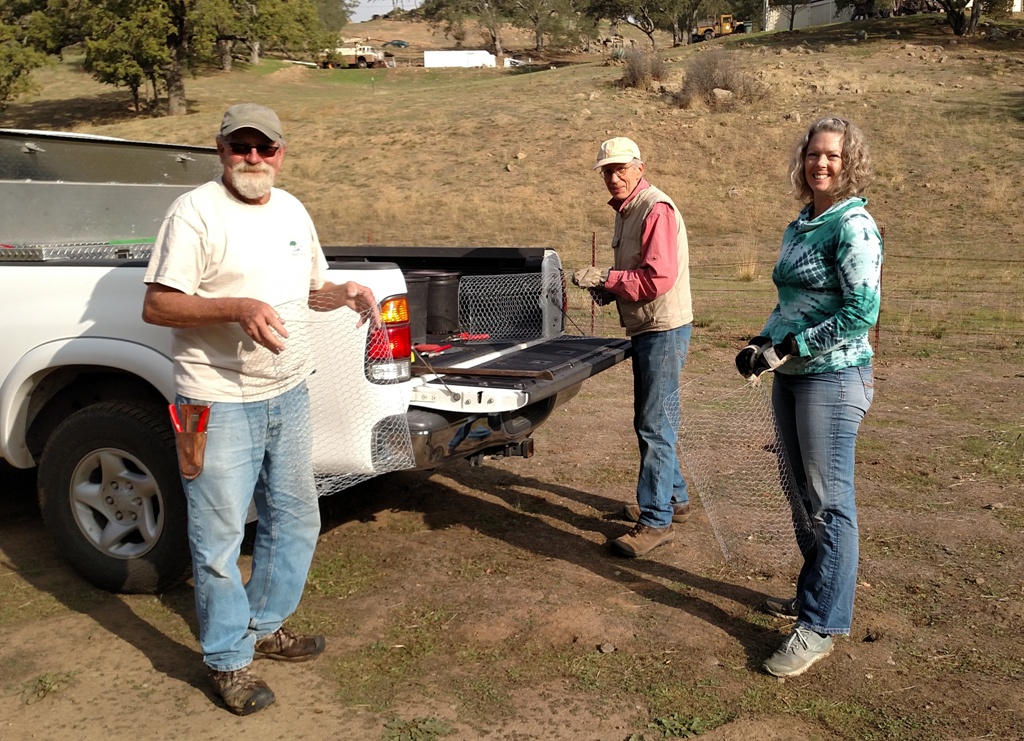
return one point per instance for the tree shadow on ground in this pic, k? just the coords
(1014, 103)
(67, 114)
(33, 556)
(925, 28)
(509, 511)
(519, 522)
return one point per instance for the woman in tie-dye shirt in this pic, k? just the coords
(828, 277)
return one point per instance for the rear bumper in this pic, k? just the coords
(439, 436)
(544, 377)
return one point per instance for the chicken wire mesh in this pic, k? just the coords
(520, 307)
(358, 428)
(738, 468)
(511, 307)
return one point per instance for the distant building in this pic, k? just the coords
(811, 14)
(820, 13)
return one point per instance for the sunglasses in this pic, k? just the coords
(263, 150)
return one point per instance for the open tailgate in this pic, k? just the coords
(491, 378)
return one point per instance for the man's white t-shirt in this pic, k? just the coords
(213, 245)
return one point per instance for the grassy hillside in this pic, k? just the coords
(492, 157)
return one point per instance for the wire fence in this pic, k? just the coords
(727, 437)
(965, 303)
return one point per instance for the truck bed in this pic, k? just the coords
(85, 383)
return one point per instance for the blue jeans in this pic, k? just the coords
(260, 451)
(658, 359)
(818, 416)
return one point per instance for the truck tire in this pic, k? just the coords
(361, 64)
(709, 34)
(111, 497)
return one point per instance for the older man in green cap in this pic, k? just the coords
(229, 255)
(649, 280)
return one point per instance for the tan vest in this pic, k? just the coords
(672, 309)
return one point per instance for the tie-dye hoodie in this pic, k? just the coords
(829, 281)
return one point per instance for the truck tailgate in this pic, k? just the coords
(501, 377)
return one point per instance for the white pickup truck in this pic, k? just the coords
(85, 383)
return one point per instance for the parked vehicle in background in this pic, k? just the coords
(397, 43)
(913, 7)
(866, 9)
(708, 29)
(360, 56)
(85, 384)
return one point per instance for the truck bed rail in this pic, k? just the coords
(117, 250)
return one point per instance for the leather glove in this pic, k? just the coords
(746, 357)
(774, 356)
(601, 297)
(590, 277)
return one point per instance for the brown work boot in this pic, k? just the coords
(242, 691)
(642, 539)
(680, 512)
(283, 645)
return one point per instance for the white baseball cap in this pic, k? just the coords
(619, 150)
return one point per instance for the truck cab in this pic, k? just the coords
(708, 29)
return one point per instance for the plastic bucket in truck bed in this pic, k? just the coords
(442, 300)
(416, 291)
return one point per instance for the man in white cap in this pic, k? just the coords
(228, 255)
(649, 281)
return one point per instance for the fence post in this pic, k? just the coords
(881, 272)
(593, 261)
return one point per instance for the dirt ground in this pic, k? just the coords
(483, 602)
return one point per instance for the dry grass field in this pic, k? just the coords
(474, 603)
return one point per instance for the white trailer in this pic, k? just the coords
(459, 58)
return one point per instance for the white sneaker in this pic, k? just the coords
(798, 652)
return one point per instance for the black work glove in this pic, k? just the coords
(746, 357)
(601, 296)
(774, 356)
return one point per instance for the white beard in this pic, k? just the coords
(252, 182)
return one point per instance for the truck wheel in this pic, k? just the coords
(361, 64)
(709, 34)
(111, 497)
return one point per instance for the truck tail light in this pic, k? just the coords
(389, 347)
